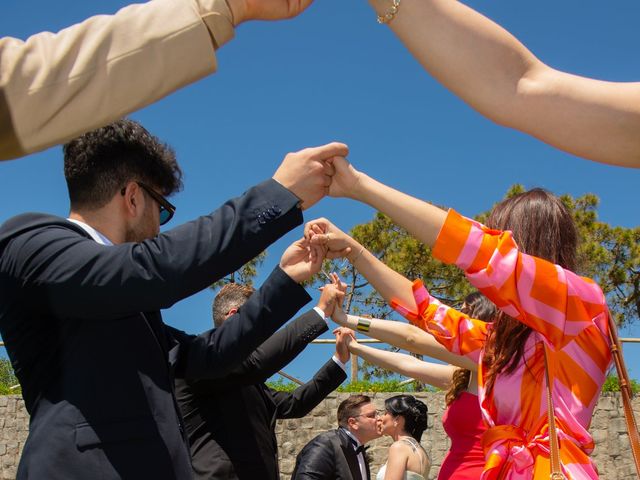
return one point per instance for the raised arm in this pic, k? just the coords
(404, 336)
(495, 74)
(432, 373)
(421, 219)
(54, 87)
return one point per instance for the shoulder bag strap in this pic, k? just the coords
(554, 453)
(625, 391)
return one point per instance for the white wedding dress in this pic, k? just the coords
(407, 475)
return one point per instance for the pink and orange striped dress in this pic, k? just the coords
(568, 315)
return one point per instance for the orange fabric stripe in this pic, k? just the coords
(591, 341)
(580, 383)
(452, 238)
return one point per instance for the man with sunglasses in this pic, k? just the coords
(340, 454)
(81, 298)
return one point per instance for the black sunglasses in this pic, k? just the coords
(167, 209)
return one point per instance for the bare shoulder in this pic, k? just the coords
(399, 448)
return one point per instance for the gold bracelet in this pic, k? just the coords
(363, 325)
(353, 262)
(391, 13)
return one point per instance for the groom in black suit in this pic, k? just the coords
(231, 422)
(80, 302)
(340, 454)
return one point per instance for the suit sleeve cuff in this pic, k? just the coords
(342, 365)
(218, 18)
(320, 312)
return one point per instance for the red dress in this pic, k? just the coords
(463, 423)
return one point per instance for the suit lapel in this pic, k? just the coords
(350, 455)
(366, 464)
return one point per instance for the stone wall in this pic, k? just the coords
(612, 453)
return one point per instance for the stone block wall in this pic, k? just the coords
(14, 427)
(612, 453)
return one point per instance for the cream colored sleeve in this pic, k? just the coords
(54, 87)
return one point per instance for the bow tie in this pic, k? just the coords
(361, 449)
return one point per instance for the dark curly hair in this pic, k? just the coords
(412, 410)
(101, 162)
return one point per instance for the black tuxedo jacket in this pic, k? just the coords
(231, 422)
(329, 456)
(96, 363)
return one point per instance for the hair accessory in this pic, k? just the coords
(391, 13)
(363, 325)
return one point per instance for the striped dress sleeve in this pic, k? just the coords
(551, 300)
(457, 332)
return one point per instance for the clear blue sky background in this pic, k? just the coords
(335, 74)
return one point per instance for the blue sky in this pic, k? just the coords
(335, 74)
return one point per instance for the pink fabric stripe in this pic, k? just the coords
(502, 266)
(529, 304)
(572, 412)
(509, 407)
(585, 360)
(602, 322)
(583, 289)
(421, 295)
(573, 329)
(471, 247)
(578, 471)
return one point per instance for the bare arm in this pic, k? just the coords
(421, 219)
(495, 74)
(54, 87)
(406, 337)
(432, 373)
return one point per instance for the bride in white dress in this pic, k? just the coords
(404, 420)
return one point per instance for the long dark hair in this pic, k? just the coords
(542, 226)
(412, 410)
(480, 307)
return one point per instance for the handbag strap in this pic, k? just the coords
(554, 453)
(625, 391)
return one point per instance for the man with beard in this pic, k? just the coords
(81, 300)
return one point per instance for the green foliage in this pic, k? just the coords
(282, 385)
(245, 275)
(611, 384)
(8, 378)
(394, 385)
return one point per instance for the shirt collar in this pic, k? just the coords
(352, 436)
(93, 233)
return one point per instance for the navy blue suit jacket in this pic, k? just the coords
(83, 330)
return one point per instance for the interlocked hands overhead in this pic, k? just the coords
(344, 337)
(301, 260)
(336, 243)
(332, 296)
(308, 173)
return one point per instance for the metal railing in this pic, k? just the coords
(354, 359)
